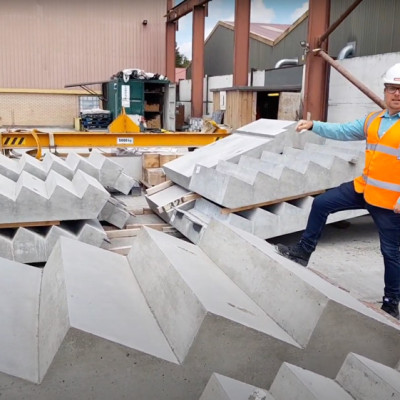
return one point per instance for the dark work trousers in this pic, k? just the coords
(344, 197)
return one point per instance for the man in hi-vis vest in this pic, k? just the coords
(377, 189)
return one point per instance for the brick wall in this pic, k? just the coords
(33, 109)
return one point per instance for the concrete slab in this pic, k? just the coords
(115, 213)
(19, 288)
(294, 383)
(365, 379)
(295, 173)
(221, 387)
(250, 140)
(291, 295)
(31, 199)
(174, 274)
(34, 245)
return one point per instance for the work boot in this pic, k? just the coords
(295, 253)
(391, 306)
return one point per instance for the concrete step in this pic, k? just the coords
(194, 302)
(236, 185)
(365, 379)
(349, 154)
(107, 172)
(83, 288)
(295, 383)
(252, 139)
(292, 295)
(221, 387)
(116, 213)
(34, 245)
(55, 199)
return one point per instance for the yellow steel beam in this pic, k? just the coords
(37, 139)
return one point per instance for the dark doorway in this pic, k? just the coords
(267, 105)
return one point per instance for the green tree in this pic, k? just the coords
(181, 61)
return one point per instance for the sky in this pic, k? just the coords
(268, 11)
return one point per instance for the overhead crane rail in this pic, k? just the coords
(122, 133)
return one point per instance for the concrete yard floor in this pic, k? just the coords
(348, 257)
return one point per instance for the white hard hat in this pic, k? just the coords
(392, 75)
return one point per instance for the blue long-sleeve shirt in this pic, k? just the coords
(352, 130)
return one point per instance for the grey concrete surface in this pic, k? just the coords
(365, 379)
(349, 258)
(359, 378)
(294, 383)
(115, 213)
(195, 319)
(253, 265)
(252, 139)
(34, 245)
(174, 274)
(31, 200)
(221, 387)
(275, 176)
(106, 171)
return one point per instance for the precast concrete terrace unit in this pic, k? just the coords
(162, 320)
(262, 178)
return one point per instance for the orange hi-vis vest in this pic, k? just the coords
(380, 181)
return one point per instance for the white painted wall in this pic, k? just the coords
(214, 82)
(346, 102)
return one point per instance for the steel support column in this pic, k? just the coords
(170, 45)
(199, 13)
(316, 74)
(241, 50)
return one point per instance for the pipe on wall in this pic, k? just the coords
(347, 51)
(286, 61)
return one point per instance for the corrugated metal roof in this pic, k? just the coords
(266, 31)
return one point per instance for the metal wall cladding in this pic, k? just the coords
(373, 24)
(46, 44)
(219, 50)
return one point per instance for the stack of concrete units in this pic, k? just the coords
(95, 324)
(71, 193)
(34, 245)
(54, 199)
(104, 170)
(359, 378)
(265, 174)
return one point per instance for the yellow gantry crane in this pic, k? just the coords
(122, 132)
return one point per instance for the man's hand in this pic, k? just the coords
(304, 125)
(396, 208)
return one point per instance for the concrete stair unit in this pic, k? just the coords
(266, 173)
(57, 198)
(267, 222)
(221, 387)
(107, 172)
(251, 140)
(34, 245)
(201, 311)
(310, 309)
(275, 176)
(359, 378)
(95, 324)
(115, 213)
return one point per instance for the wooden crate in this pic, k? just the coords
(151, 160)
(153, 176)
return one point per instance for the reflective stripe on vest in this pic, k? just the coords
(381, 184)
(383, 149)
(369, 120)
